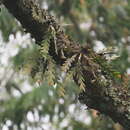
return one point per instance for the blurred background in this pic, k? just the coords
(29, 100)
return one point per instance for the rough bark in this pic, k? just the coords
(101, 91)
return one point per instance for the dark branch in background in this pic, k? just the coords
(67, 12)
(101, 92)
(65, 9)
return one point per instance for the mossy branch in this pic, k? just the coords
(101, 91)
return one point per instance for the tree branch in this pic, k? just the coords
(101, 92)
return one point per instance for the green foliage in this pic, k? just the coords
(29, 101)
(8, 24)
